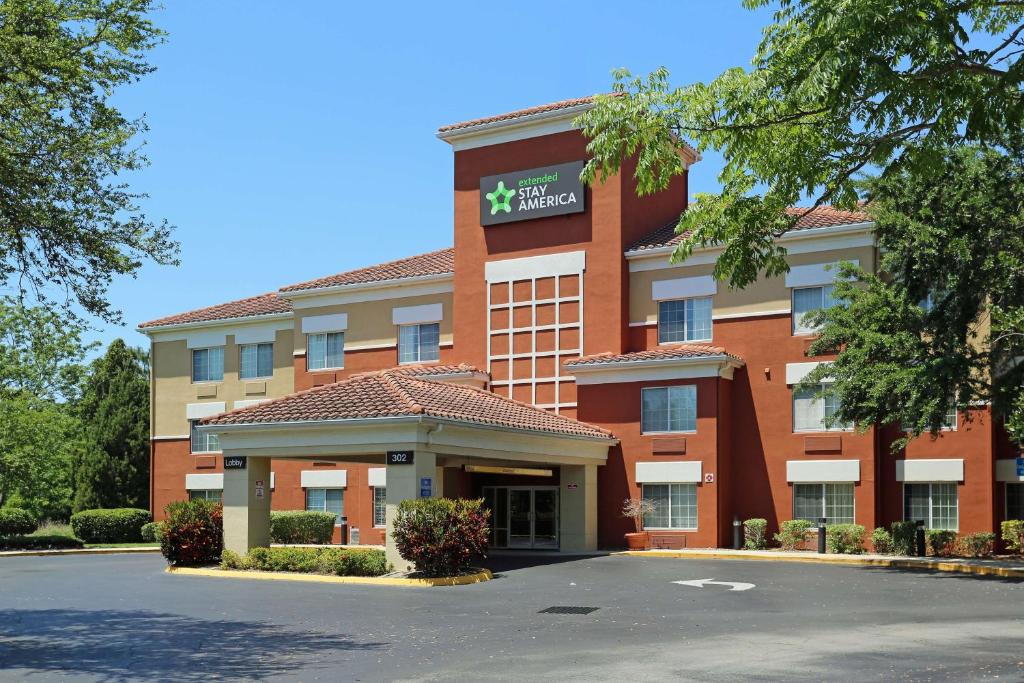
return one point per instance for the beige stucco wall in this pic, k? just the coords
(370, 323)
(172, 376)
(766, 295)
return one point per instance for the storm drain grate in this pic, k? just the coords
(568, 609)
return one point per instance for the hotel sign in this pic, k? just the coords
(533, 193)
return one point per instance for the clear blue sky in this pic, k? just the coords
(273, 126)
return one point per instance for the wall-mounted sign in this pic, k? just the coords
(234, 463)
(533, 193)
(400, 457)
(1020, 467)
(572, 487)
(426, 487)
(709, 478)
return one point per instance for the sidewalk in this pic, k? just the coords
(1007, 567)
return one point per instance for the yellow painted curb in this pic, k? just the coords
(77, 551)
(479, 577)
(978, 570)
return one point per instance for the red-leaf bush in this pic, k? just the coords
(441, 536)
(193, 532)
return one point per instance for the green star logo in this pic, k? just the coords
(500, 198)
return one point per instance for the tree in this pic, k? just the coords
(945, 325)
(115, 411)
(68, 221)
(836, 91)
(41, 367)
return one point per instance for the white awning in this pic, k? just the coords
(822, 471)
(197, 411)
(814, 274)
(1006, 470)
(951, 469)
(683, 288)
(795, 372)
(314, 324)
(324, 479)
(411, 315)
(668, 472)
(378, 476)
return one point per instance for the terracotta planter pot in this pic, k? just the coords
(638, 541)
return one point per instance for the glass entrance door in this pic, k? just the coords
(520, 518)
(545, 518)
(523, 517)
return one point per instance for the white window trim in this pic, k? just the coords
(328, 368)
(928, 522)
(675, 483)
(191, 441)
(680, 431)
(418, 361)
(192, 366)
(305, 501)
(257, 345)
(824, 429)
(711, 328)
(374, 506)
(792, 307)
(824, 502)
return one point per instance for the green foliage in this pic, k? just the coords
(980, 544)
(116, 525)
(336, 561)
(115, 411)
(193, 532)
(70, 223)
(941, 542)
(846, 539)
(151, 532)
(16, 522)
(40, 542)
(301, 526)
(793, 533)
(904, 538)
(441, 536)
(835, 90)
(1012, 531)
(882, 541)
(755, 534)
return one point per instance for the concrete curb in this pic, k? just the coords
(77, 551)
(942, 566)
(479, 577)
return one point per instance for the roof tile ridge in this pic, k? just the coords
(391, 383)
(280, 399)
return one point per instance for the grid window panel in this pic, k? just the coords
(208, 364)
(675, 506)
(936, 504)
(809, 411)
(380, 502)
(419, 343)
(807, 502)
(325, 351)
(684, 320)
(214, 495)
(807, 299)
(916, 502)
(256, 360)
(839, 503)
(203, 442)
(669, 409)
(326, 500)
(1014, 501)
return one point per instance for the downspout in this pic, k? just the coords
(152, 426)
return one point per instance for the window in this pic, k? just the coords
(949, 420)
(214, 495)
(380, 506)
(669, 409)
(675, 506)
(208, 364)
(1015, 501)
(807, 299)
(809, 412)
(834, 502)
(327, 500)
(203, 443)
(684, 320)
(936, 504)
(418, 343)
(325, 351)
(257, 360)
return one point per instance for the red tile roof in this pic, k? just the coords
(391, 393)
(433, 263)
(431, 370)
(520, 113)
(821, 217)
(254, 306)
(673, 352)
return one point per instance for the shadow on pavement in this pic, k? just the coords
(936, 573)
(503, 563)
(115, 645)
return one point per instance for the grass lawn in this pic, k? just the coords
(57, 529)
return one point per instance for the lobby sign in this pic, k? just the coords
(533, 193)
(234, 463)
(400, 457)
(1020, 467)
(426, 487)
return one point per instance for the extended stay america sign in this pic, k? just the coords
(533, 193)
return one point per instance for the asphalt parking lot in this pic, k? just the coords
(121, 618)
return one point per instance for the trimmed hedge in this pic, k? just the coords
(793, 533)
(881, 539)
(301, 526)
(941, 542)
(41, 542)
(17, 522)
(1013, 535)
(904, 538)
(755, 534)
(336, 561)
(980, 544)
(151, 532)
(441, 536)
(193, 532)
(114, 525)
(845, 539)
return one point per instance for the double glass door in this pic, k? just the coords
(523, 517)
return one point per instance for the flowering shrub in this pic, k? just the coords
(978, 544)
(1013, 535)
(755, 534)
(846, 539)
(881, 539)
(193, 532)
(940, 541)
(441, 536)
(793, 533)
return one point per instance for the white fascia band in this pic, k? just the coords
(549, 265)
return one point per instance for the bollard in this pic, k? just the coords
(737, 527)
(821, 535)
(919, 538)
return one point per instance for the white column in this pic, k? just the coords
(578, 508)
(405, 482)
(247, 506)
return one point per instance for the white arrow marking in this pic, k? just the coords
(700, 583)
